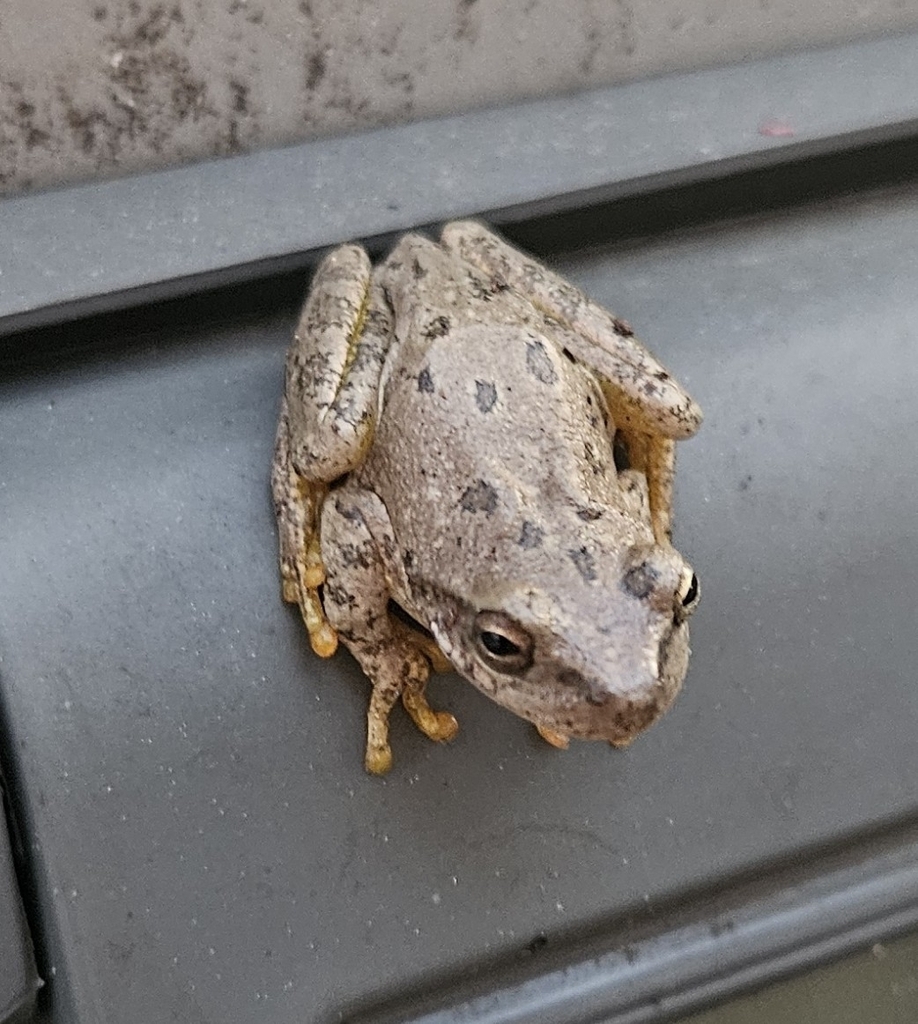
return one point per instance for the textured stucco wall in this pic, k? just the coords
(95, 88)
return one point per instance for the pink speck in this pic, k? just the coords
(775, 129)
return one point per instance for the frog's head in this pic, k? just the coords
(593, 647)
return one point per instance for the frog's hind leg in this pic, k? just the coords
(649, 408)
(596, 337)
(327, 418)
(297, 503)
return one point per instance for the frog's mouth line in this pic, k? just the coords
(630, 719)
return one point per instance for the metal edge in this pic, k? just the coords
(97, 247)
(20, 959)
(631, 974)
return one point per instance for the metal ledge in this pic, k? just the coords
(760, 932)
(104, 246)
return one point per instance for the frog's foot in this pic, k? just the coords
(300, 584)
(622, 744)
(378, 759)
(400, 670)
(556, 739)
(439, 726)
(322, 635)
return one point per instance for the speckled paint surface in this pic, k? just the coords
(96, 88)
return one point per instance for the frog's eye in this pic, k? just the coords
(502, 644)
(687, 595)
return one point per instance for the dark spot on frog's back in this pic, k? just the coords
(589, 515)
(539, 364)
(531, 536)
(622, 327)
(416, 269)
(586, 564)
(480, 497)
(485, 395)
(640, 580)
(425, 381)
(438, 327)
(589, 454)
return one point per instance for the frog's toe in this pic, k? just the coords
(622, 744)
(556, 739)
(322, 635)
(444, 727)
(378, 759)
(439, 726)
(324, 640)
(314, 567)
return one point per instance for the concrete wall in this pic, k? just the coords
(92, 88)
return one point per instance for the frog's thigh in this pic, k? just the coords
(600, 339)
(296, 505)
(648, 453)
(356, 601)
(660, 469)
(328, 416)
(334, 367)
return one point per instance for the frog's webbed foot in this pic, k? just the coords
(356, 598)
(327, 419)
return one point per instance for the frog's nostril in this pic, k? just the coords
(573, 679)
(593, 693)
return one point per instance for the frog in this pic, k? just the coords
(473, 472)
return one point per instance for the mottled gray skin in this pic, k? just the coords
(482, 496)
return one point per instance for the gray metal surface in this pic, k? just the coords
(209, 846)
(692, 955)
(18, 980)
(92, 248)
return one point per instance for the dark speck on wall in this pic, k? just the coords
(315, 70)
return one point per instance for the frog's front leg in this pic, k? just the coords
(361, 576)
(327, 418)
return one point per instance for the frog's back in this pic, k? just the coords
(483, 425)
